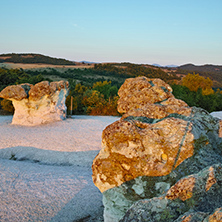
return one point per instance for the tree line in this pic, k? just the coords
(17, 76)
(95, 98)
(98, 96)
(197, 91)
(99, 99)
(128, 70)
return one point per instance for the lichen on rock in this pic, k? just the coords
(158, 140)
(187, 200)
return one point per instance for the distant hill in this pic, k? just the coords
(29, 61)
(88, 62)
(168, 66)
(203, 68)
(30, 58)
(155, 64)
(171, 66)
(214, 72)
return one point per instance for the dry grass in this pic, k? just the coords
(5, 57)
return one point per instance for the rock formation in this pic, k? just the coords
(158, 141)
(37, 104)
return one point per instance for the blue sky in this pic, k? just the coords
(139, 31)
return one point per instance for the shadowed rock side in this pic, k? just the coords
(158, 140)
(37, 104)
(192, 198)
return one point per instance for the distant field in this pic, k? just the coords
(37, 66)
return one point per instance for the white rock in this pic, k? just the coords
(44, 103)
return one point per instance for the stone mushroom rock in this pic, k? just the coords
(36, 104)
(158, 140)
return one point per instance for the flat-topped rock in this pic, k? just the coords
(36, 104)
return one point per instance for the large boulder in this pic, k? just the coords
(37, 104)
(158, 140)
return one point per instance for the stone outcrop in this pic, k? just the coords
(190, 199)
(37, 104)
(158, 141)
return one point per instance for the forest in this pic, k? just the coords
(94, 91)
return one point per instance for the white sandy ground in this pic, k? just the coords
(51, 177)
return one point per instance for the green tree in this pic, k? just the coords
(194, 81)
(210, 102)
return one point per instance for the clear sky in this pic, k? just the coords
(139, 31)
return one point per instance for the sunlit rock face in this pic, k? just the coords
(158, 140)
(36, 104)
(136, 94)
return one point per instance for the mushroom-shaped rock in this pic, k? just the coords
(36, 104)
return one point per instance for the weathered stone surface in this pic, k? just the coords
(17, 92)
(158, 140)
(144, 142)
(216, 216)
(137, 92)
(136, 148)
(157, 111)
(37, 104)
(191, 197)
(192, 217)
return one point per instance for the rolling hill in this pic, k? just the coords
(30, 58)
(203, 68)
(30, 61)
(214, 72)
